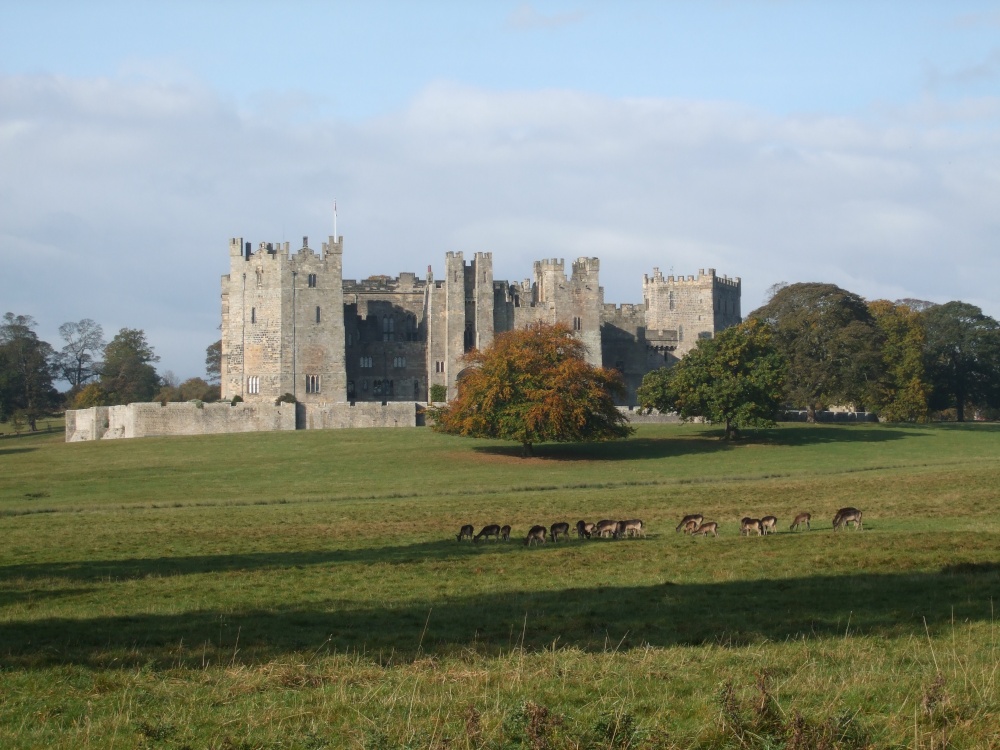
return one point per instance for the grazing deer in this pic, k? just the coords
(801, 518)
(584, 529)
(492, 530)
(505, 533)
(748, 524)
(707, 528)
(559, 529)
(631, 528)
(696, 517)
(466, 532)
(768, 524)
(846, 516)
(690, 527)
(536, 534)
(606, 528)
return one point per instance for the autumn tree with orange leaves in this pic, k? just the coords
(534, 385)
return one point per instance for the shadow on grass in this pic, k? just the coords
(707, 441)
(163, 567)
(593, 619)
(5, 451)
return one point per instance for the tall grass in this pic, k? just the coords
(306, 590)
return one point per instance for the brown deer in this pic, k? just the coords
(768, 524)
(748, 525)
(707, 528)
(632, 528)
(696, 517)
(584, 530)
(505, 533)
(801, 518)
(466, 532)
(492, 529)
(847, 516)
(606, 528)
(690, 527)
(536, 534)
(559, 529)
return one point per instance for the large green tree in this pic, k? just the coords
(534, 385)
(900, 391)
(213, 362)
(26, 389)
(127, 374)
(962, 356)
(77, 362)
(736, 379)
(830, 340)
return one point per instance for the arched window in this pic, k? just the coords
(317, 314)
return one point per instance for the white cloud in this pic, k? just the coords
(117, 199)
(525, 17)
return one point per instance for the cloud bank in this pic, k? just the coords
(117, 198)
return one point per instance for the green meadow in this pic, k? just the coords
(306, 590)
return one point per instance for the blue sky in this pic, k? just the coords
(851, 142)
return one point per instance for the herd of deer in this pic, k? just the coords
(693, 524)
(537, 534)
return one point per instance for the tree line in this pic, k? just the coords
(814, 345)
(99, 372)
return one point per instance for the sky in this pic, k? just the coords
(855, 143)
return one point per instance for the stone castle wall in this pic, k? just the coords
(156, 420)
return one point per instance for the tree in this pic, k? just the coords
(26, 389)
(76, 362)
(962, 356)
(736, 379)
(534, 385)
(901, 391)
(830, 341)
(213, 362)
(127, 374)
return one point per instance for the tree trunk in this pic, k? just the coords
(526, 451)
(811, 414)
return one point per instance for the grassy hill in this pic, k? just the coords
(306, 590)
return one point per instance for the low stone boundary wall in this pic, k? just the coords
(637, 416)
(357, 414)
(191, 418)
(829, 416)
(184, 418)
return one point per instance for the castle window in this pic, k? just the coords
(253, 314)
(312, 280)
(670, 300)
(350, 339)
(253, 384)
(364, 385)
(377, 388)
(350, 389)
(366, 361)
(577, 324)
(439, 366)
(313, 383)
(399, 362)
(317, 315)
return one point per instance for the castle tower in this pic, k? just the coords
(577, 301)
(283, 322)
(690, 308)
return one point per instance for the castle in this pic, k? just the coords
(292, 324)
(364, 353)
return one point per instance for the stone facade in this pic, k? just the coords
(292, 324)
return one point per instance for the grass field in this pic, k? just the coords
(306, 590)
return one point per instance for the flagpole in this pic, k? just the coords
(335, 238)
